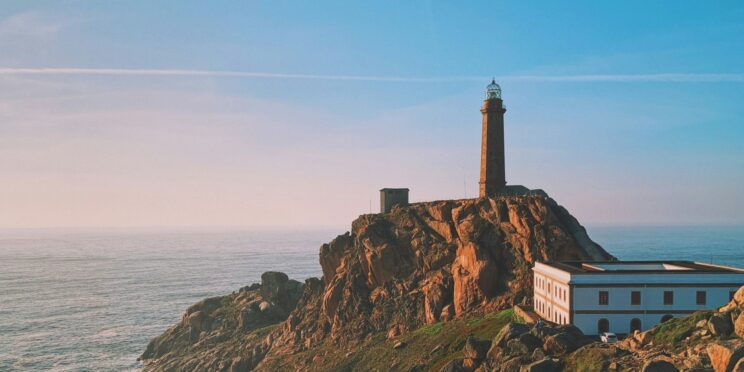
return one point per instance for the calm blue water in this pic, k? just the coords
(93, 300)
(723, 245)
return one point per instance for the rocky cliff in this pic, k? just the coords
(391, 275)
(439, 260)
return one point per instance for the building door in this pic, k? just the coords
(635, 325)
(603, 325)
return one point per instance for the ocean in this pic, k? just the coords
(92, 300)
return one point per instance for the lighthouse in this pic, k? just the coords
(492, 171)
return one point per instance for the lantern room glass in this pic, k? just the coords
(493, 91)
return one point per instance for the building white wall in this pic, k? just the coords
(552, 294)
(619, 323)
(650, 311)
(652, 298)
(550, 303)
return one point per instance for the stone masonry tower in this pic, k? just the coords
(492, 172)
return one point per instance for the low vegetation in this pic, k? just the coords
(428, 347)
(672, 332)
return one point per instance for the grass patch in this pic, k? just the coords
(430, 346)
(589, 360)
(473, 321)
(431, 329)
(491, 324)
(675, 330)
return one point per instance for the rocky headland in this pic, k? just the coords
(429, 286)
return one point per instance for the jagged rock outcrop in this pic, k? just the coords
(460, 255)
(215, 334)
(393, 272)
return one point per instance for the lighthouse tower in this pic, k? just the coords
(492, 171)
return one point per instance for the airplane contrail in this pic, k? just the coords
(659, 77)
(666, 77)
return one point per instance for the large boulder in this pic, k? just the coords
(736, 302)
(720, 325)
(509, 332)
(517, 347)
(560, 344)
(278, 289)
(724, 355)
(739, 325)
(529, 340)
(475, 348)
(659, 365)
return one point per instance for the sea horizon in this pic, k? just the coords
(93, 300)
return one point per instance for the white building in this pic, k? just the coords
(622, 296)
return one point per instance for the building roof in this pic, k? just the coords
(640, 267)
(394, 189)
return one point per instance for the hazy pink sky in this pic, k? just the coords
(333, 103)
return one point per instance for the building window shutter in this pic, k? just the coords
(635, 298)
(604, 297)
(668, 298)
(700, 298)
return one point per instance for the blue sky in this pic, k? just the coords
(296, 113)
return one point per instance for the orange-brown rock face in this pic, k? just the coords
(408, 266)
(424, 263)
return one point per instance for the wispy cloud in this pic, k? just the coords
(664, 77)
(31, 24)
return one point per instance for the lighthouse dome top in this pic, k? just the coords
(493, 90)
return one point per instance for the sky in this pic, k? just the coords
(294, 114)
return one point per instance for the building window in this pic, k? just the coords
(635, 325)
(604, 297)
(731, 295)
(668, 298)
(635, 298)
(666, 318)
(603, 325)
(700, 298)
